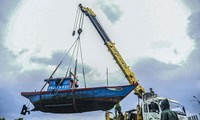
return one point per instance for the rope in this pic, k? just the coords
(76, 61)
(80, 18)
(76, 19)
(82, 64)
(78, 46)
(74, 101)
(71, 58)
(58, 65)
(81, 24)
(81, 21)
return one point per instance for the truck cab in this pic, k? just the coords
(151, 109)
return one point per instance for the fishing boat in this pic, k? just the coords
(63, 94)
(66, 97)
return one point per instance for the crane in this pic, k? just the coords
(153, 99)
(139, 90)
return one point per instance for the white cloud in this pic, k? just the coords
(43, 29)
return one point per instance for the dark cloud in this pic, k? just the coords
(6, 57)
(193, 59)
(175, 51)
(55, 59)
(31, 80)
(169, 80)
(193, 5)
(22, 51)
(180, 82)
(165, 69)
(194, 28)
(7, 63)
(5, 103)
(112, 11)
(9, 69)
(6, 9)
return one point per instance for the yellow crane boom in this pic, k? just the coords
(139, 90)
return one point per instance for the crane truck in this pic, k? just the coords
(148, 107)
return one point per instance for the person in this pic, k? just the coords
(167, 114)
(151, 92)
(121, 116)
(117, 109)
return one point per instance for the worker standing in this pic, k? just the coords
(117, 109)
(167, 114)
(151, 92)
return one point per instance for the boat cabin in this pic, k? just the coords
(65, 83)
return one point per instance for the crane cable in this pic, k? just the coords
(76, 21)
(80, 24)
(79, 32)
(55, 71)
(59, 65)
(79, 19)
(76, 61)
(76, 66)
(82, 65)
(71, 57)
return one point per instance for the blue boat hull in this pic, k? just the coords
(78, 100)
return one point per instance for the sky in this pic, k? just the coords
(158, 39)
